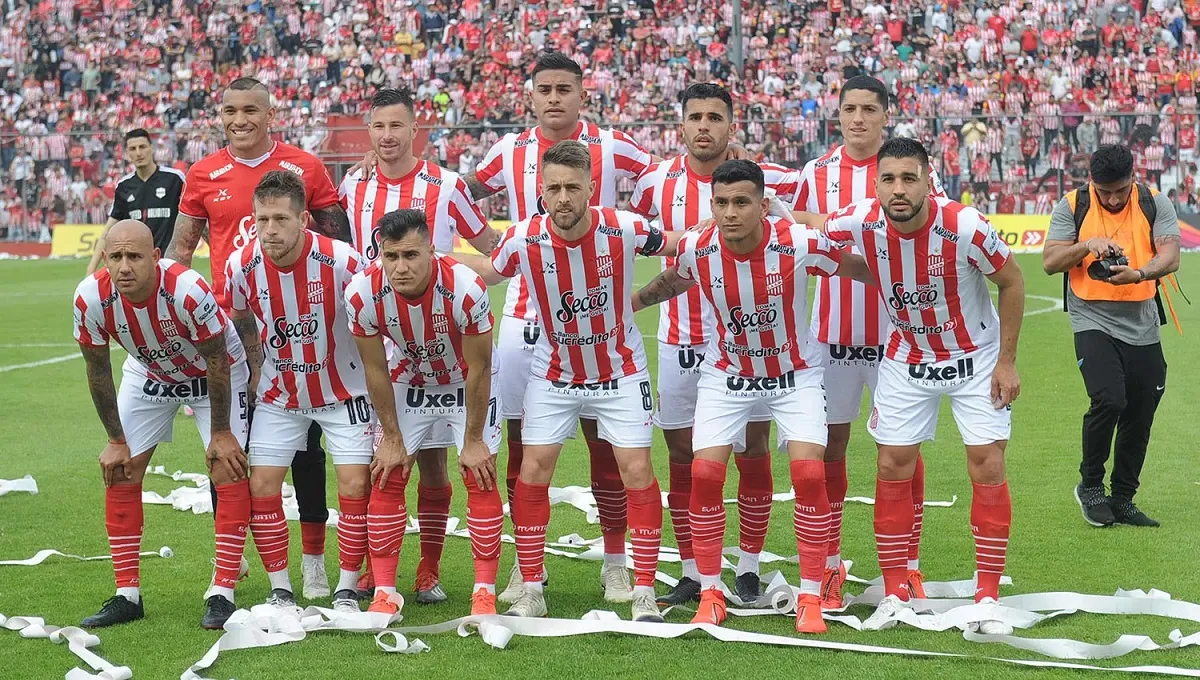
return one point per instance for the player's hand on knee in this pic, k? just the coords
(225, 455)
(1006, 385)
(116, 463)
(476, 459)
(390, 455)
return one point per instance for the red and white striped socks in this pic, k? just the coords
(810, 517)
(485, 520)
(893, 531)
(433, 513)
(755, 489)
(707, 516)
(387, 516)
(352, 540)
(678, 500)
(645, 530)
(918, 502)
(991, 519)
(531, 516)
(271, 537)
(611, 501)
(123, 520)
(835, 489)
(230, 526)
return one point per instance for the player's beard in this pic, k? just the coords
(899, 217)
(713, 152)
(279, 249)
(566, 222)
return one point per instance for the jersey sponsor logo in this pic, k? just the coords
(716, 281)
(444, 291)
(774, 283)
(736, 383)
(873, 226)
(160, 192)
(606, 386)
(604, 265)
(852, 354)
(135, 214)
(524, 142)
(316, 293)
(782, 249)
(247, 229)
(937, 265)
(679, 201)
(252, 264)
(305, 330)
(531, 168)
(220, 171)
(435, 181)
(222, 195)
(158, 213)
(170, 299)
(430, 351)
(591, 303)
(324, 259)
(610, 231)
(924, 297)
(441, 323)
(581, 340)
(828, 161)
(963, 369)
(763, 318)
(384, 292)
(589, 139)
(945, 233)
(292, 167)
(544, 236)
(909, 327)
(755, 352)
(689, 358)
(107, 302)
(675, 174)
(373, 246)
(833, 186)
(196, 388)
(122, 327)
(418, 398)
(550, 267)
(706, 251)
(881, 253)
(150, 355)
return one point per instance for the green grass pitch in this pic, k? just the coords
(50, 430)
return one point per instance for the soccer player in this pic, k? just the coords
(149, 194)
(438, 315)
(579, 263)
(678, 192)
(753, 271)
(848, 318)
(218, 198)
(402, 181)
(514, 165)
(285, 288)
(933, 258)
(182, 350)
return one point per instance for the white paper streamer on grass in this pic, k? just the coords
(43, 555)
(267, 626)
(26, 484)
(78, 642)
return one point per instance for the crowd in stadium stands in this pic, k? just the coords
(1011, 94)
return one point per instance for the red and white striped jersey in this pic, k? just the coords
(1155, 153)
(161, 333)
(427, 331)
(582, 292)
(309, 358)
(440, 193)
(933, 281)
(845, 311)
(514, 165)
(679, 198)
(759, 299)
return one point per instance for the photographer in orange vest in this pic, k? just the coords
(1113, 239)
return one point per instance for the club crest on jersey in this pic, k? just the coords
(937, 265)
(160, 192)
(441, 324)
(774, 283)
(168, 328)
(604, 265)
(417, 204)
(316, 293)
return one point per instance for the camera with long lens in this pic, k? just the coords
(1101, 270)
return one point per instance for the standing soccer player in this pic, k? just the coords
(848, 318)
(514, 165)
(285, 288)
(182, 350)
(402, 181)
(149, 194)
(753, 271)
(678, 192)
(218, 197)
(933, 258)
(437, 313)
(579, 263)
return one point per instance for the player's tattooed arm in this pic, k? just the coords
(216, 361)
(665, 286)
(478, 189)
(247, 329)
(104, 392)
(486, 241)
(185, 238)
(332, 222)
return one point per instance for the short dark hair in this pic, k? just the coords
(569, 153)
(135, 133)
(868, 83)
(248, 83)
(398, 224)
(393, 96)
(282, 184)
(706, 91)
(555, 61)
(732, 172)
(904, 147)
(1111, 163)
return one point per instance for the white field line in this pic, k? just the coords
(47, 362)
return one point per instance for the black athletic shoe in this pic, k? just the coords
(280, 597)
(1096, 508)
(687, 590)
(1127, 513)
(116, 610)
(748, 587)
(217, 610)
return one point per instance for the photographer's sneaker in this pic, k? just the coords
(1096, 508)
(614, 579)
(1125, 512)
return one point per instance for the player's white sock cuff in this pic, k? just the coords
(535, 586)
(280, 579)
(707, 582)
(914, 565)
(643, 590)
(490, 587)
(224, 592)
(386, 589)
(833, 561)
(347, 580)
(810, 587)
(690, 570)
(134, 595)
(614, 558)
(748, 563)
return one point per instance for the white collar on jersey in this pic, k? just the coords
(255, 162)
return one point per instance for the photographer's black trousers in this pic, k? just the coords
(1125, 383)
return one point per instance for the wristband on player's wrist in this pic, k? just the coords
(117, 440)
(1141, 275)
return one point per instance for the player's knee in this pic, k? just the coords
(260, 484)
(637, 473)
(897, 462)
(985, 464)
(681, 455)
(839, 439)
(354, 486)
(1109, 403)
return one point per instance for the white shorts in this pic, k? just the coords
(278, 433)
(435, 416)
(623, 408)
(848, 369)
(678, 380)
(514, 350)
(795, 401)
(147, 407)
(907, 401)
